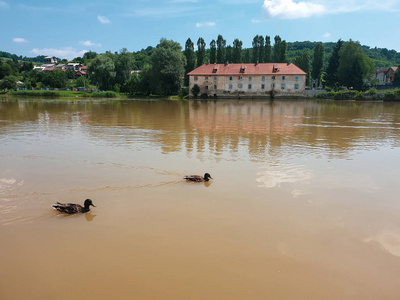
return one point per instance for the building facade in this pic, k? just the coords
(248, 80)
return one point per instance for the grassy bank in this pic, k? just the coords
(73, 94)
(372, 94)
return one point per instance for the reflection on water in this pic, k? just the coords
(303, 204)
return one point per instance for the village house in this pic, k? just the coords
(248, 80)
(385, 76)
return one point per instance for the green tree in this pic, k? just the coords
(82, 82)
(55, 79)
(132, 86)
(267, 50)
(102, 72)
(213, 52)
(229, 53)
(8, 82)
(331, 76)
(279, 50)
(168, 68)
(190, 59)
(317, 63)
(221, 49)
(258, 48)
(5, 70)
(201, 51)
(195, 90)
(124, 63)
(237, 51)
(303, 62)
(350, 53)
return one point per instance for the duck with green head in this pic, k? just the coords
(71, 208)
(198, 178)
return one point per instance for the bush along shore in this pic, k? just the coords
(371, 94)
(55, 94)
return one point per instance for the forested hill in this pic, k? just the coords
(382, 57)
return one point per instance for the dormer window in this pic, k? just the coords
(242, 69)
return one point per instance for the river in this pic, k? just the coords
(304, 201)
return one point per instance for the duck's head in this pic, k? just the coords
(88, 202)
(207, 176)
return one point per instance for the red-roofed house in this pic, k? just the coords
(390, 74)
(385, 76)
(248, 79)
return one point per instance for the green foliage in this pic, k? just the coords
(221, 49)
(132, 85)
(8, 83)
(195, 90)
(5, 70)
(213, 52)
(372, 91)
(55, 79)
(237, 51)
(303, 62)
(331, 76)
(317, 63)
(267, 49)
(184, 93)
(354, 65)
(201, 51)
(102, 72)
(190, 59)
(258, 49)
(280, 48)
(397, 75)
(82, 82)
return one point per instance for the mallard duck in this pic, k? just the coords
(198, 178)
(71, 208)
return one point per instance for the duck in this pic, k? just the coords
(198, 178)
(71, 208)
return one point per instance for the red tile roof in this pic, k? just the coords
(248, 69)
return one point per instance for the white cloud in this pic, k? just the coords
(326, 35)
(255, 21)
(3, 4)
(103, 20)
(287, 9)
(205, 24)
(19, 40)
(89, 44)
(67, 52)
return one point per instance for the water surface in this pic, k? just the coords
(303, 205)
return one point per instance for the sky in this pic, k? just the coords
(68, 29)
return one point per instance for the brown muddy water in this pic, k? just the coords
(304, 203)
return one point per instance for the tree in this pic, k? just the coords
(229, 53)
(267, 50)
(190, 60)
(123, 66)
(237, 51)
(8, 82)
(82, 82)
(279, 50)
(213, 52)
(168, 67)
(5, 70)
(303, 62)
(201, 51)
(55, 79)
(195, 90)
(131, 86)
(331, 76)
(317, 63)
(258, 48)
(350, 53)
(221, 49)
(102, 72)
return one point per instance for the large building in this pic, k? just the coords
(248, 80)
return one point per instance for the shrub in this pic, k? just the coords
(372, 91)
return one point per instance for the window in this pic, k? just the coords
(249, 86)
(273, 77)
(263, 86)
(206, 87)
(230, 77)
(215, 86)
(206, 78)
(296, 86)
(240, 77)
(215, 78)
(296, 78)
(283, 77)
(195, 78)
(240, 85)
(250, 78)
(282, 86)
(263, 78)
(230, 86)
(272, 85)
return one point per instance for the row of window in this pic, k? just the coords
(283, 77)
(250, 86)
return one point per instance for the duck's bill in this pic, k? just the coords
(93, 205)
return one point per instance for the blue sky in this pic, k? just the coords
(67, 29)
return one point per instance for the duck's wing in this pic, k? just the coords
(68, 208)
(197, 178)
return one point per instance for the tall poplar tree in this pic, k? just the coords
(331, 76)
(221, 49)
(279, 50)
(303, 62)
(267, 49)
(201, 51)
(237, 51)
(258, 48)
(190, 59)
(213, 52)
(317, 63)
